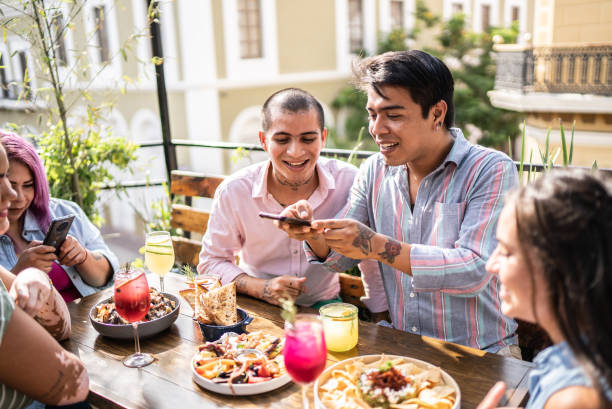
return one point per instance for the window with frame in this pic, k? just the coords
(457, 8)
(101, 28)
(355, 10)
(397, 14)
(249, 26)
(485, 16)
(59, 39)
(516, 12)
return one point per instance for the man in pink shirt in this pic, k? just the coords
(273, 265)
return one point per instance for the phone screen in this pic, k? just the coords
(58, 230)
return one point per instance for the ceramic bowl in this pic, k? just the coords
(145, 329)
(214, 332)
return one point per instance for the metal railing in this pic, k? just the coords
(583, 69)
(328, 152)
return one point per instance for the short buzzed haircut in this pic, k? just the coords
(425, 77)
(290, 100)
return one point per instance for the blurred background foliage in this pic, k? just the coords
(471, 59)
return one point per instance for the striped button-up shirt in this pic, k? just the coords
(451, 231)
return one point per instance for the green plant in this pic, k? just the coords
(93, 155)
(78, 159)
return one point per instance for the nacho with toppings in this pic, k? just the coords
(391, 383)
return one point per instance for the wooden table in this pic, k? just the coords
(167, 383)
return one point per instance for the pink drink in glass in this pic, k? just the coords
(132, 299)
(304, 352)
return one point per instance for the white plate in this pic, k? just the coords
(240, 389)
(372, 358)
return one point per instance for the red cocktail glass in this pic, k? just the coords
(132, 302)
(304, 352)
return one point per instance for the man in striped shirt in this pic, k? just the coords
(426, 207)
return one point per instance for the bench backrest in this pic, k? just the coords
(187, 218)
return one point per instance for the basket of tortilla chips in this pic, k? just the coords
(215, 310)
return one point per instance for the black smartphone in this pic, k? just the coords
(290, 220)
(58, 230)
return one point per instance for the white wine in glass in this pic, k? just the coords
(159, 254)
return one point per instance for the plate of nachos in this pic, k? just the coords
(386, 381)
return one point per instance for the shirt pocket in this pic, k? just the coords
(447, 218)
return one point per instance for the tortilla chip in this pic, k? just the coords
(220, 304)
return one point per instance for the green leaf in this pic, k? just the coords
(563, 143)
(289, 310)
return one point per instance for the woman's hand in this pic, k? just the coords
(35, 255)
(71, 253)
(493, 397)
(31, 290)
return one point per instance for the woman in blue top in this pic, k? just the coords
(554, 260)
(84, 263)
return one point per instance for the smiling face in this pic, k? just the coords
(6, 192)
(22, 182)
(294, 141)
(517, 284)
(397, 125)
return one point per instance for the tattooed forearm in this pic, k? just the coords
(267, 292)
(392, 250)
(363, 241)
(97, 256)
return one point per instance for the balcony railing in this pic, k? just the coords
(328, 152)
(583, 69)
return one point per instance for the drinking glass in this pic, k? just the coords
(159, 254)
(132, 302)
(304, 352)
(340, 325)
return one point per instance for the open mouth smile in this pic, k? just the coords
(387, 146)
(296, 165)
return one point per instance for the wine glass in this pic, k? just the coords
(159, 254)
(304, 352)
(132, 302)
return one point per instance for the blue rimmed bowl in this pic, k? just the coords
(214, 332)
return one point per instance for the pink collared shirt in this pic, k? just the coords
(234, 228)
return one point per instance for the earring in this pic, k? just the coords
(437, 126)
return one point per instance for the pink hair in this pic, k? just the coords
(17, 148)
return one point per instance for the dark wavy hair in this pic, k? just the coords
(18, 149)
(427, 78)
(564, 219)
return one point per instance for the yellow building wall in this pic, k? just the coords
(306, 35)
(582, 21)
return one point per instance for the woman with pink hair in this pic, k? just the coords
(83, 263)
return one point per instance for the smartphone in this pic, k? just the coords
(58, 230)
(290, 220)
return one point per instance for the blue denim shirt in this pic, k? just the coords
(82, 229)
(556, 369)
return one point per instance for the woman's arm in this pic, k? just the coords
(33, 292)
(33, 363)
(93, 266)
